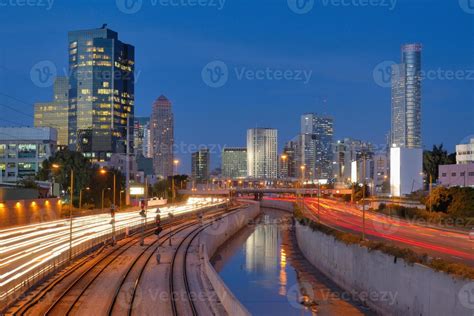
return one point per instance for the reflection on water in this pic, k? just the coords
(261, 248)
(259, 274)
(264, 269)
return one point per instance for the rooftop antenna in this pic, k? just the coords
(104, 26)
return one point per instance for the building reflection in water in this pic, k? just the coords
(263, 254)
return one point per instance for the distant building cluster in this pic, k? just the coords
(93, 112)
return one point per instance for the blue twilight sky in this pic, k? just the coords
(341, 45)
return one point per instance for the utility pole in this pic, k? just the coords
(431, 188)
(363, 197)
(127, 167)
(70, 214)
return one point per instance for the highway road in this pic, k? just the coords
(25, 250)
(450, 244)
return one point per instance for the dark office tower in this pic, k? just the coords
(101, 93)
(162, 137)
(316, 146)
(406, 99)
(200, 165)
(288, 163)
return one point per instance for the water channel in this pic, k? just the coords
(265, 270)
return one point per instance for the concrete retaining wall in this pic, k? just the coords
(25, 212)
(213, 237)
(279, 205)
(387, 286)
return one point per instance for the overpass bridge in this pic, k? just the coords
(258, 193)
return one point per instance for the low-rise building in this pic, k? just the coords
(465, 153)
(461, 175)
(23, 149)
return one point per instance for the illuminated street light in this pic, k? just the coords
(175, 167)
(71, 206)
(103, 191)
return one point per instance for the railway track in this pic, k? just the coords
(85, 277)
(181, 255)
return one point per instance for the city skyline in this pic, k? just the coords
(350, 70)
(237, 157)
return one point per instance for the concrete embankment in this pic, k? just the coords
(211, 239)
(386, 284)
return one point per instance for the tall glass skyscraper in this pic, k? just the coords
(316, 146)
(141, 137)
(55, 114)
(200, 165)
(262, 153)
(101, 94)
(162, 137)
(406, 99)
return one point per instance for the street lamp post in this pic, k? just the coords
(303, 168)
(120, 195)
(284, 166)
(363, 197)
(103, 191)
(56, 166)
(175, 167)
(103, 171)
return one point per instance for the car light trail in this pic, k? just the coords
(28, 249)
